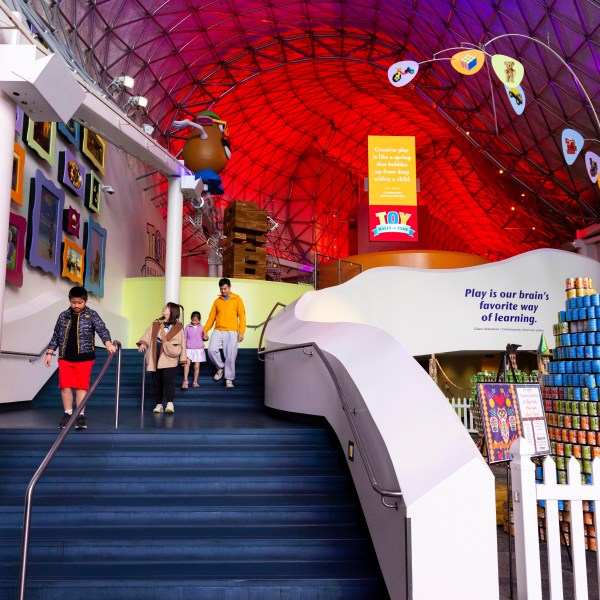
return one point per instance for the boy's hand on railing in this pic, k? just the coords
(110, 347)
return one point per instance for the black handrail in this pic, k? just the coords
(347, 410)
(48, 458)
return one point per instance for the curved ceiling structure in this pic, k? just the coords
(302, 83)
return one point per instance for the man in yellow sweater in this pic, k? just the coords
(230, 316)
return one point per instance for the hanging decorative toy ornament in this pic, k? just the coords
(207, 150)
(468, 62)
(509, 70)
(516, 97)
(402, 72)
(592, 162)
(572, 144)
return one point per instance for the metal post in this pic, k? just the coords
(118, 392)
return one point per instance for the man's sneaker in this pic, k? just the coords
(218, 375)
(158, 408)
(64, 420)
(80, 422)
(228, 383)
(170, 408)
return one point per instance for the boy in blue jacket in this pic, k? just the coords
(74, 337)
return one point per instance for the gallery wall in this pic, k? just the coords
(131, 225)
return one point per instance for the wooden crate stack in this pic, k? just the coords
(245, 226)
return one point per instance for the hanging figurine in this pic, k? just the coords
(207, 150)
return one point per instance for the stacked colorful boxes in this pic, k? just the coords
(571, 392)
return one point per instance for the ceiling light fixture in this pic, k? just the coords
(134, 103)
(148, 129)
(120, 83)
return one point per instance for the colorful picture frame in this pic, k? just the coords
(94, 147)
(71, 173)
(95, 248)
(71, 221)
(44, 234)
(71, 131)
(73, 262)
(41, 137)
(16, 186)
(20, 117)
(17, 232)
(93, 192)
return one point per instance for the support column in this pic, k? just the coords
(7, 142)
(174, 240)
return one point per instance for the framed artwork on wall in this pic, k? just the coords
(94, 147)
(16, 187)
(45, 232)
(41, 137)
(19, 121)
(95, 251)
(17, 232)
(71, 173)
(92, 192)
(71, 221)
(72, 261)
(71, 131)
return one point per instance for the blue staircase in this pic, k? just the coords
(222, 500)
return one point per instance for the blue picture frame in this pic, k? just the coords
(44, 235)
(95, 254)
(71, 131)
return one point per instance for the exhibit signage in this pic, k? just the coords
(392, 189)
(510, 411)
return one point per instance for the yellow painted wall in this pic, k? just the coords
(143, 299)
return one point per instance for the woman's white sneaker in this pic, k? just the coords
(158, 408)
(170, 408)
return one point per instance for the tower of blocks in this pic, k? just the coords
(245, 226)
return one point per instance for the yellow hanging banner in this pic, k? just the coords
(392, 170)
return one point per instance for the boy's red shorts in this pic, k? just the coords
(74, 374)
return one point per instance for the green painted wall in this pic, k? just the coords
(143, 299)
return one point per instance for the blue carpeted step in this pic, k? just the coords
(222, 501)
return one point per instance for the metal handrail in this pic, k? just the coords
(266, 321)
(349, 415)
(48, 458)
(33, 357)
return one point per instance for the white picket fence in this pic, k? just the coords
(462, 407)
(525, 494)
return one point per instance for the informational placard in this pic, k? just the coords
(510, 411)
(392, 189)
(533, 418)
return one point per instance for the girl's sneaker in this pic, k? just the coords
(158, 408)
(184, 385)
(195, 384)
(170, 408)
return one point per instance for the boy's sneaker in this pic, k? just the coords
(80, 422)
(228, 383)
(170, 408)
(218, 375)
(158, 408)
(64, 420)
